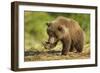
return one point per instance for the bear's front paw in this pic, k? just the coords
(46, 45)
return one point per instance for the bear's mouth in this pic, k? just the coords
(51, 40)
(51, 43)
(47, 45)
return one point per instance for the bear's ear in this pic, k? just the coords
(48, 24)
(60, 28)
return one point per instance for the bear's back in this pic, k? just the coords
(70, 24)
(67, 22)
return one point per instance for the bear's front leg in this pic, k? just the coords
(66, 46)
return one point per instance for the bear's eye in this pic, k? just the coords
(59, 28)
(48, 24)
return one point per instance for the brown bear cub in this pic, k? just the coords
(66, 30)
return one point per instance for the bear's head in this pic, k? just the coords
(55, 33)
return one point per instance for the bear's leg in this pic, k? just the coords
(72, 47)
(79, 41)
(66, 46)
(79, 47)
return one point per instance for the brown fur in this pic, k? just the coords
(69, 32)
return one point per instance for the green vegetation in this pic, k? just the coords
(35, 28)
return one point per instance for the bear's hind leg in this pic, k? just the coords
(71, 47)
(79, 47)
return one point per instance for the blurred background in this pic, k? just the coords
(35, 26)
